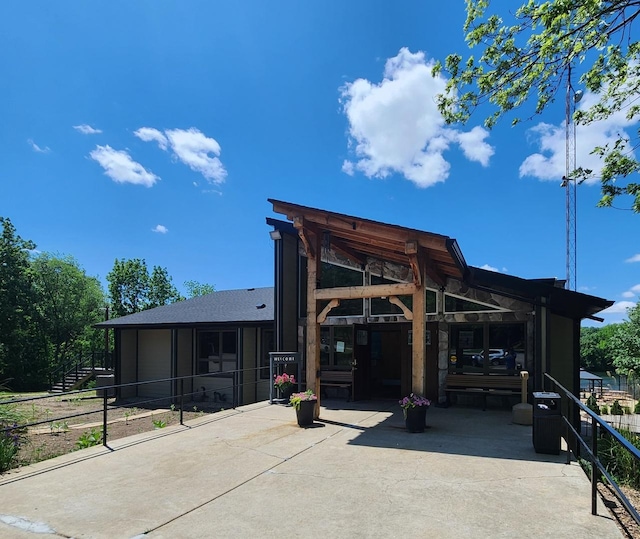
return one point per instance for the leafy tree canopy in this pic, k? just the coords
(194, 288)
(132, 290)
(530, 58)
(626, 344)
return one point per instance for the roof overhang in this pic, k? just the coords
(360, 239)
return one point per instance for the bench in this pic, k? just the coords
(498, 385)
(342, 379)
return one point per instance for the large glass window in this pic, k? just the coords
(217, 351)
(455, 304)
(487, 347)
(381, 306)
(336, 346)
(333, 276)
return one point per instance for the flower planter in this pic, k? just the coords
(415, 418)
(285, 393)
(304, 413)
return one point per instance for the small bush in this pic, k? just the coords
(617, 460)
(89, 439)
(592, 404)
(616, 409)
(627, 409)
(604, 409)
(9, 445)
(636, 408)
(159, 423)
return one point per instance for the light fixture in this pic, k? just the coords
(275, 235)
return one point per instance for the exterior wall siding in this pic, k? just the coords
(154, 361)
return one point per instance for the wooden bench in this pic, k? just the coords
(342, 379)
(498, 385)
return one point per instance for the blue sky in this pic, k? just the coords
(158, 130)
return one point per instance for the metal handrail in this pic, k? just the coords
(107, 390)
(597, 424)
(69, 367)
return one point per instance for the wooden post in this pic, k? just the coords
(313, 328)
(418, 348)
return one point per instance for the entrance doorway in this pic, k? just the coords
(386, 363)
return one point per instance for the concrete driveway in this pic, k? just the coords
(252, 472)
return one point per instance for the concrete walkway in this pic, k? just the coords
(252, 472)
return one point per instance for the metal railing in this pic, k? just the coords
(108, 392)
(92, 360)
(572, 411)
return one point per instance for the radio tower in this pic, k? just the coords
(569, 183)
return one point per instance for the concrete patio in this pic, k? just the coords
(252, 472)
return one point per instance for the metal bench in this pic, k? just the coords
(342, 379)
(485, 385)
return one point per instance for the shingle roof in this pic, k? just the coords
(226, 306)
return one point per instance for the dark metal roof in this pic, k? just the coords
(226, 306)
(565, 302)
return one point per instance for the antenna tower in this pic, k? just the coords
(569, 183)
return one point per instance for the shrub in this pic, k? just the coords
(592, 404)
(636, 408)
(604, 409)
(89, 439)
(616, 409)
(617, 460)
(9, 445)
(627, 409)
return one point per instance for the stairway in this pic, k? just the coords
(74, 379)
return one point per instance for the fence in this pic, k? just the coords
(578, 420)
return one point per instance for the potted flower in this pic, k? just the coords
(414, 407)
(285, 384)
(304, 404)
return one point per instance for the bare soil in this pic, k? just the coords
(59, 434)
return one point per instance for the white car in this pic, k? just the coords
(496, 357)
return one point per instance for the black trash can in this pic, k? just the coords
(547, 422)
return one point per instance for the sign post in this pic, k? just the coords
(283, 358)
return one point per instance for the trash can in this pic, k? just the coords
(547, 422)
(105, 380)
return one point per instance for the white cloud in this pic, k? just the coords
(149, 134)
(395, 126)
(634, 258)
(160, 229)
(119, 166)
(191, 147)
(550, 162)
(489, 268)
(619, 307)
(37, 148)
(632, 292)
(86, 129)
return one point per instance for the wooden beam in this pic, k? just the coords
(299, 225)
(370, 291)
(342, 247)
(405, 310)
(323, 315)
(415, 268)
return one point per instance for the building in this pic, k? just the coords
(402, 309)
(218, 342)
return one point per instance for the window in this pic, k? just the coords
(381, 306)
(455, 304)
(485, 347)
(217, 351)
(336, 346)
(333, 276)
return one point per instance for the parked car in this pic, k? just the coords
(496, 357)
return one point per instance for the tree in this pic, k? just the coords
(128, 286)
(596, 349)
(194, 288)
(20, 346)
(161, 290)
(69, 303)
(131, 290)
(530, 59)
(626, 344)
